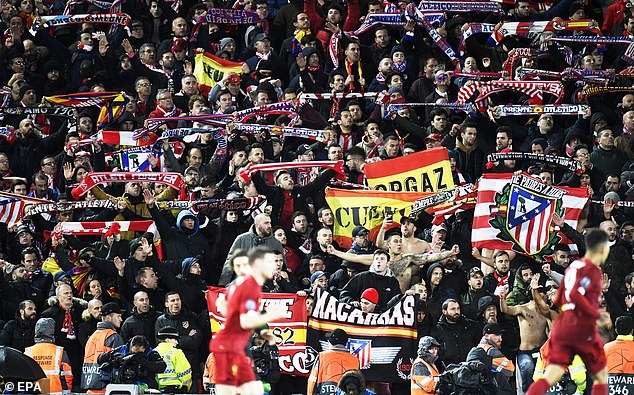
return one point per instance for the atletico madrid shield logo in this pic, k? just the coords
(523, 215)
(362, 350)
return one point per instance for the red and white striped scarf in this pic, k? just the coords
(174, 180)
(534, 89)
(337, 166)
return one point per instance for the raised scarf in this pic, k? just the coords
(247, 174)
(174, 180)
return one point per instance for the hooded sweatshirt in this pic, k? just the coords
(179, 241)
(45, 330)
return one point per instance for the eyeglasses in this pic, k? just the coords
(165, 98)
(18, 62)
(49, 163)
(4, 161)
(192, 175)
(145, 85)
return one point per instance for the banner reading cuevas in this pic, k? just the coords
(290, 332)
(384, 343)
(425, 171)
(352, 208)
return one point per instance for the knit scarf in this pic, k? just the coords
(174, 180)
(555, 109)
(263, 56)
(571, 164)
(165, 113)
(296, 41)
(247, 174)
(349, 71)
(68, 327)
(400, 67)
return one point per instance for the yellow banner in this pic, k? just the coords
(210, 69)
(425, 171)
(353, 208)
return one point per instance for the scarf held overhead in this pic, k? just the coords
(337, 166)
(174, 180)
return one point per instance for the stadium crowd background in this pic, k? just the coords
(289, 53)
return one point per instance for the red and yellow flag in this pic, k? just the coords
(210, 69)
(425, 171)
(352, 208)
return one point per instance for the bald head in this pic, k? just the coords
(141, 302)
(609, 227)
(262, 224)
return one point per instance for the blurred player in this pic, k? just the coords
(575, 330)
(234, 373)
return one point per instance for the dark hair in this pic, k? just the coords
(40, 176)
(206, 181)
(139, 341)
(436, 112)
(578, 147)
(18, 182)
(595, 239)
(319, 212)
(170, 293)
(23, 304)
(29, 250)
(500, 253)
(256, 253)
(298, 214)
(624, 325)
(317, 256)
(381, 251)
(562, 247)
(445, 304)
(506, 130)
(629, 277)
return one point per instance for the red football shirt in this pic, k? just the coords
(243, 296)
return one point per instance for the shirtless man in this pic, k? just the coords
(411, 244)
(533, 327)
(402, 265)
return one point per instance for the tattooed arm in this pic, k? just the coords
(422, 259)
(364, 259)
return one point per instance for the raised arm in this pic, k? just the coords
(484, 259)
(423, 259)
(364, 259)
(510, 310)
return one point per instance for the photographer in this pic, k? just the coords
(132, 363)
(265, 360)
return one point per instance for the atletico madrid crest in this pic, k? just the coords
(523, 214)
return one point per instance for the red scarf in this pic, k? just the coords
(68, 327)
(359, 70)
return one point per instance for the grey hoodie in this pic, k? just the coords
(45, 330)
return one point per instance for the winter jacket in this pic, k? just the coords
(18, 334)
(26, 153)
(190, 287)
(179, 242)
(140, 324)
(469, 302)
(185, 322)
(520, 294)
(456, 339)
(607, 162)
(487, 353)
(388, 286)
(246, 241)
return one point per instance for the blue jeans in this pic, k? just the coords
(526, 367)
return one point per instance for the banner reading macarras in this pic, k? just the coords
(352, 208)
(290, 332)
(425, 171)
(384, 343)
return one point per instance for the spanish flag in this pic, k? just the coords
(352, 208)
(425, 171)
(210, 69)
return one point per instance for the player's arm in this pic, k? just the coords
(364, 259)
(423, 259)
(577, 293)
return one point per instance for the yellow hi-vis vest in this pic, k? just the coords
(178, 372)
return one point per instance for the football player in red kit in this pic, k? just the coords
(575, 330)
(234, 371)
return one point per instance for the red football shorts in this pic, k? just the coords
(564, 345)
(233, 369)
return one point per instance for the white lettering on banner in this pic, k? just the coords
(301, 362)
(330, 309)
(286, 303)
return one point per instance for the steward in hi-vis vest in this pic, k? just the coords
(424, 371)
(52, 359)
(331, 365)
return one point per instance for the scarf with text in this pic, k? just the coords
(476, 75)
(115, 137)
(474, 28)
(571, 164)
(468, 108)
(174, 180)
(247, 174)
(393, 19)
(517, 54)
(440, 41)
(82, 100)
(621, 203)
(555, 109)
(218, 134)
(588, 91)
(113, 7)
(527, 28)
(586, 75)
(121, 19)
(67, 206)
(247, 203)
(8, 134)
(534, 89)
(311, 134)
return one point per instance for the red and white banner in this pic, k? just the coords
(290, 332)
(174, 180)
(515, 213)
(116, 137)
(12, 207)
(99, 228)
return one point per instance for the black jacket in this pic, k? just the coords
(140, 324)
(179, 243)
(456, 339)
(185, 322)
(191, 288)
(18, 334)
(86, 329)
(146, 365)
(469, 301)
(275, 195)
(72, 346)
(387, 286)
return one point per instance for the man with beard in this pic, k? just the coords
(15, 287)
(326, 218)
(470, 300)
(141, 321)
(355, 160)
(260, 234)
(185, 278)
(488, 352)
(18, 333)
(619, 262)
(499, 281)
(455, 332)
(424, 371)
(470, 158)
(41, 281)
(410, 243)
